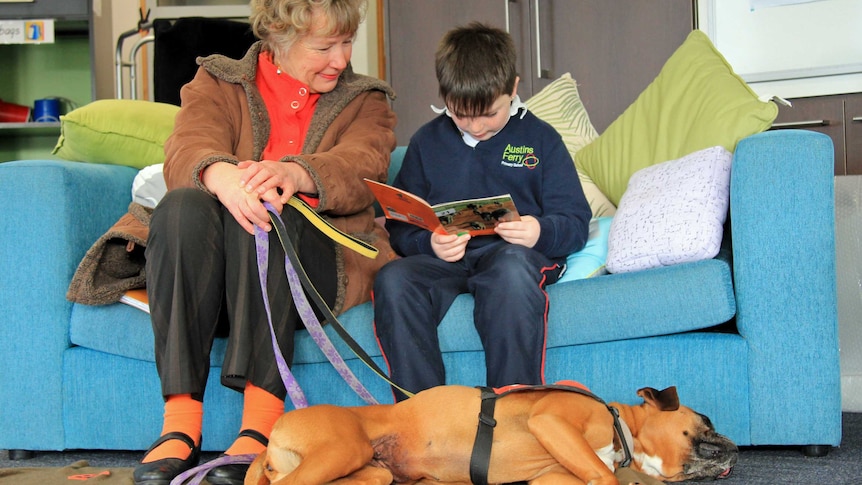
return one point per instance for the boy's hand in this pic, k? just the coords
(449, 247)
(524, 232)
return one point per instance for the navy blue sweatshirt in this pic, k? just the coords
(526, 159)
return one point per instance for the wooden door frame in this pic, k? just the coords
(381, 45)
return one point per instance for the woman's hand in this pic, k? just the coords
(449, 247)
(225, 181)
(524, 232)
(243, 188)
(275, 182)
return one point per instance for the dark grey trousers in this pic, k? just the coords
(507, 281)
(203, 282)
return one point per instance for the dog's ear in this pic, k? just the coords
(666, 400)
(255, 474)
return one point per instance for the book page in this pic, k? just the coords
(474, 216)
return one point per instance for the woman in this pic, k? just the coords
(289, 118)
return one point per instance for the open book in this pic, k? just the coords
(474, 216)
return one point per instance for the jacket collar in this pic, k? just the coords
(329, 106)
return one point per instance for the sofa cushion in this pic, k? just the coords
(658, 301)
(116, 131)
(559, 104)
(695, 102)
(672, 212)
(598, 309)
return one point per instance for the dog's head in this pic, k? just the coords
(271, 466)
(674, 443)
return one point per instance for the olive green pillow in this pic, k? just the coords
(560, 105)
(696, 102)
(116, 131)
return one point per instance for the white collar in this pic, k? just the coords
(514, 107)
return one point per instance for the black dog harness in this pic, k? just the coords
(480, 459)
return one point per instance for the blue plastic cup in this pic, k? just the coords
(46, 110)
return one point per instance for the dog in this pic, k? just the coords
(543, 435)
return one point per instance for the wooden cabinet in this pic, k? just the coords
(853, 133)
(839, 116)
(613, 48)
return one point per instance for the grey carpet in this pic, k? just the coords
(756, 466)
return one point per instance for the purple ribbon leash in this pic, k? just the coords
(294, 391)
(306, 313)
(197, 474)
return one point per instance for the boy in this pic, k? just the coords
(484, 143)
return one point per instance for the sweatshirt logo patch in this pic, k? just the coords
(519, 156)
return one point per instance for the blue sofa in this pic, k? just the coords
(749, 338)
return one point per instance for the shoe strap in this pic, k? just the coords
(174, 435)
(255, 435)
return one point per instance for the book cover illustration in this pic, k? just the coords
(474, 216)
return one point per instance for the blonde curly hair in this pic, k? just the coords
(278, 23)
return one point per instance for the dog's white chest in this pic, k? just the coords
(651, 465)
(609, 455)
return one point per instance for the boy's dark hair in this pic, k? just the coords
(475, 66)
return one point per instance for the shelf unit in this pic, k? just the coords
(60, 69)
(30, 129)
(53, 9)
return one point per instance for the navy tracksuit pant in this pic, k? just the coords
(412, 294)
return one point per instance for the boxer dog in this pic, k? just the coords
(541, 436)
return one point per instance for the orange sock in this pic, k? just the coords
(260, 411)
(182, 413)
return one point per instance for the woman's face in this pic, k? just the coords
(317, 60)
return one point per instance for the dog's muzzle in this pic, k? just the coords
(713, 458)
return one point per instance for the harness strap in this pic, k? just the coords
(480, 459)
(625, 437)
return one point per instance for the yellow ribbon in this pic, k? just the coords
(331, 231)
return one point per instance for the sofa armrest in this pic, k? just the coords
(783, 232)
(53, 211)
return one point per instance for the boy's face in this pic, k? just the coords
(486, 125)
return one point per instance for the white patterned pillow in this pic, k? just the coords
(559, 105)
(671, 213)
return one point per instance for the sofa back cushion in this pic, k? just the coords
(697, 101)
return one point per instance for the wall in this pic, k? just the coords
(110, 18)
(814, 43)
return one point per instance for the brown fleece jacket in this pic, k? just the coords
(223, 119)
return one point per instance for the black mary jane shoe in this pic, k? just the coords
(234, 474)
(161, 472)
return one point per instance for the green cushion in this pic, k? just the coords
(116, 131)
(695, 102)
